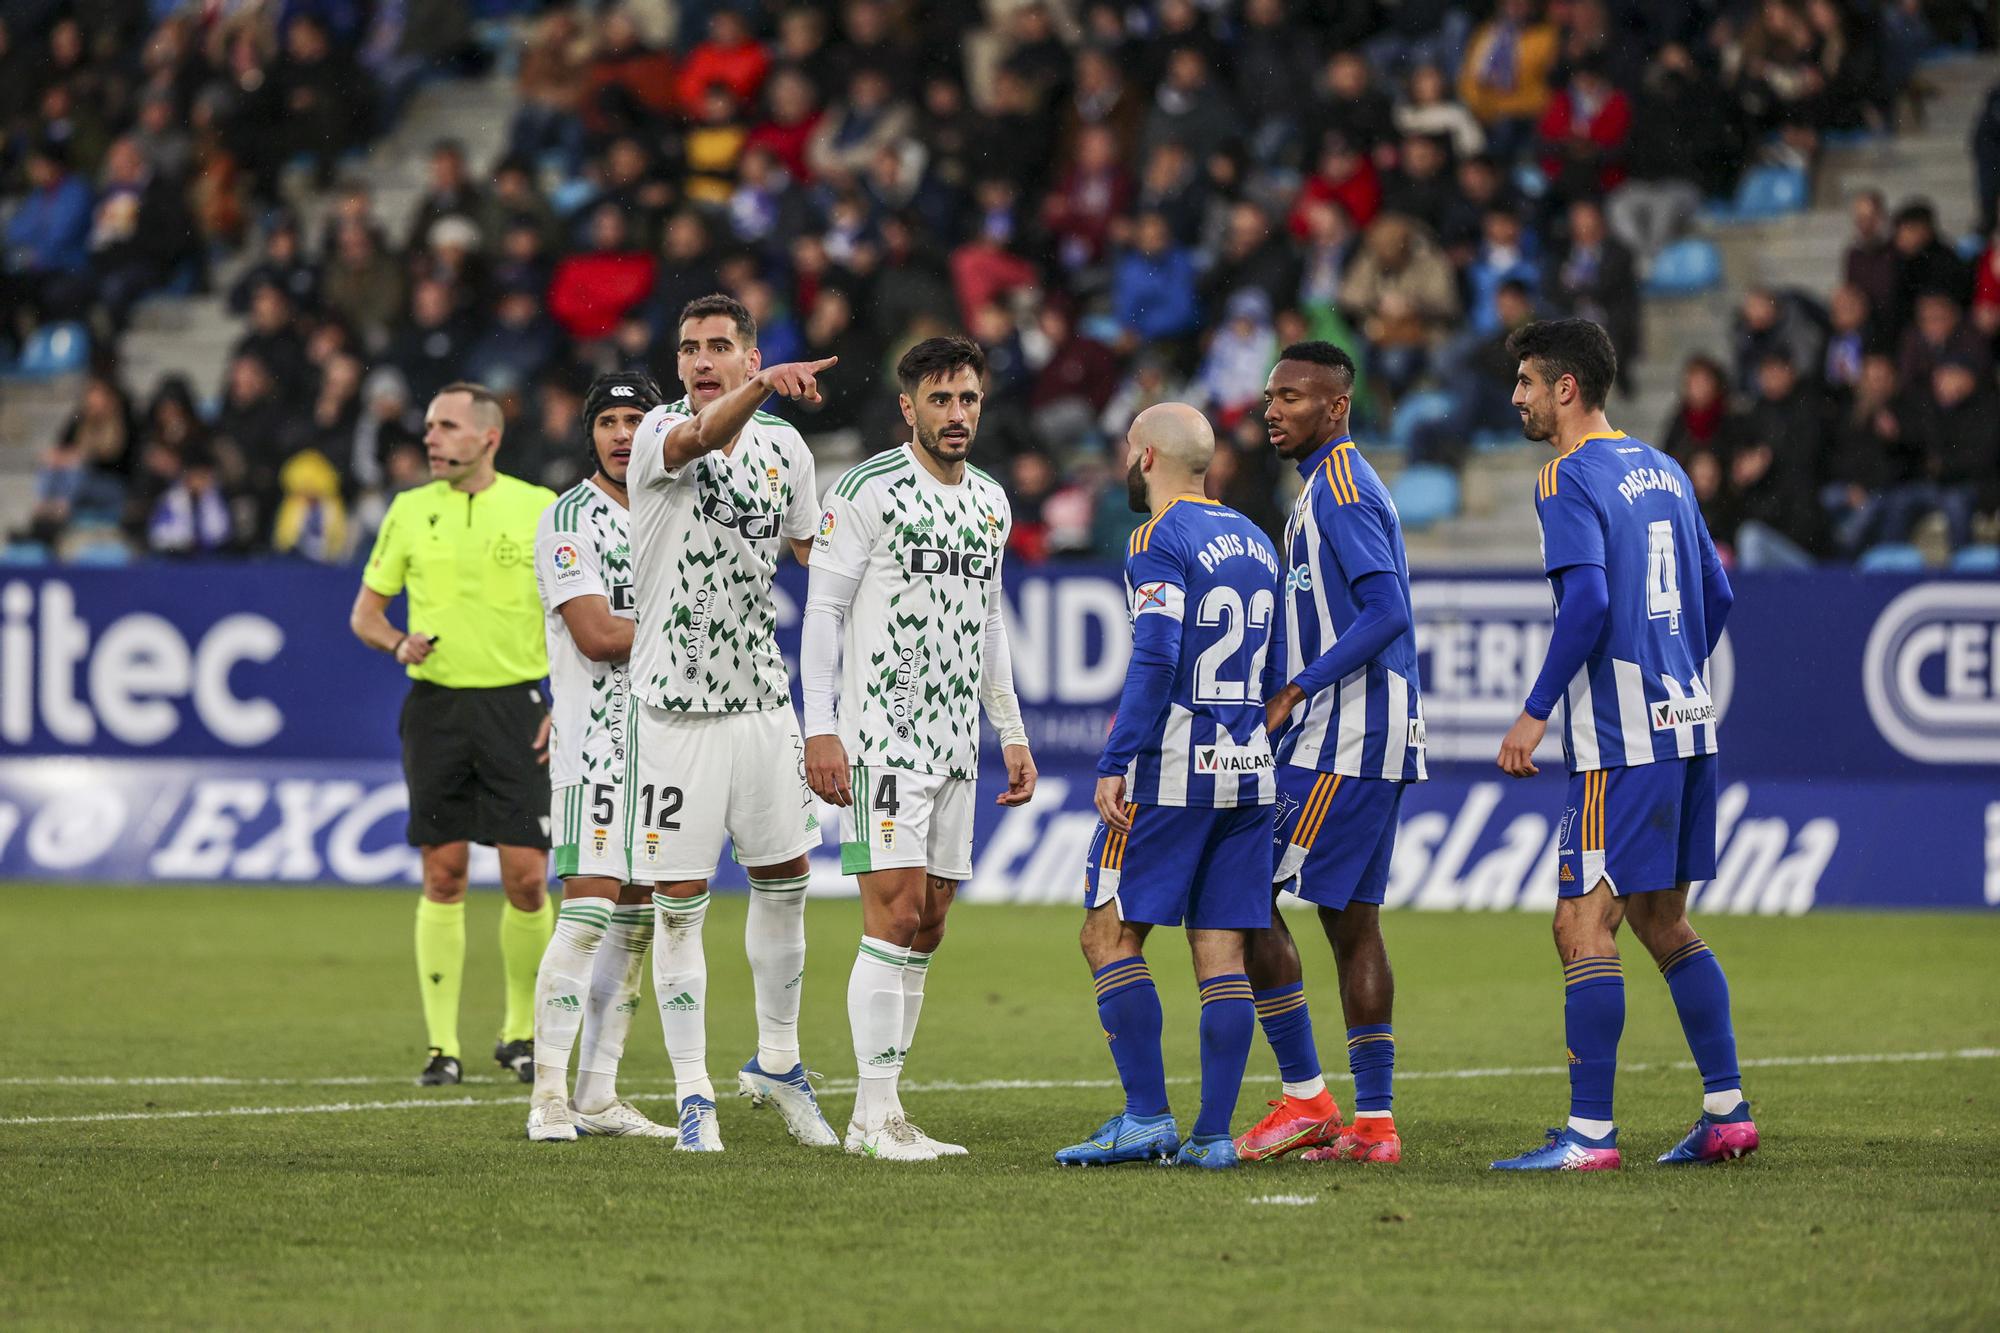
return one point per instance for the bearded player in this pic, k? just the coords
(903, 625)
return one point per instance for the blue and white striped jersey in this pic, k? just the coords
(1642, 694)
(1342, 529)
(1203, 586)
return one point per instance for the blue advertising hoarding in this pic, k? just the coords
(218, 722)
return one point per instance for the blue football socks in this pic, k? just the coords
(1593, 1020)
(1128, 1008)
(1288, 1026)
(1228, 1022)
(1371, 1057)
(1701, 997)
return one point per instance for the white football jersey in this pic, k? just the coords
(928, 558)
(706, 538)
(582, 550)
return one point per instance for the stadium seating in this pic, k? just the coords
(1891, 558)
(1425, 494)
(1977, 560)
(1417, 410)
(1687, 267)
(1764, 193)
(52, 351)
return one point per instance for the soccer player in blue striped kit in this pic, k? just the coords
(1185, 789)
(1349, 727)
(1621, 539)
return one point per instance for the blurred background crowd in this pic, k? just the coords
(1123, 202)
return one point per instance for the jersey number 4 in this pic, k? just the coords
(1663, 575)
(1223, 606)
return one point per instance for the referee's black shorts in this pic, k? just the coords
(469, 758)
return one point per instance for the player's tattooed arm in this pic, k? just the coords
(723, 420)
(599, 635)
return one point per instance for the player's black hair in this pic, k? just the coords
(939, 357)
(721, 303)
(1320, 353)
(1575, 347)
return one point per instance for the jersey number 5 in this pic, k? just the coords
(1663, 574)
(1223, 606)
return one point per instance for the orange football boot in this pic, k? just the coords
(1371, 1138)
(1293, 1123)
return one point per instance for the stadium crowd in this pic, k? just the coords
(1122, 202)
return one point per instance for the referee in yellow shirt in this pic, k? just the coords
(475, 727)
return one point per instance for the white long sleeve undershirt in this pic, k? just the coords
(829, 597)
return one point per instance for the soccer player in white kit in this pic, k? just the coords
(718, 488)
(903, 624)
(591, 971)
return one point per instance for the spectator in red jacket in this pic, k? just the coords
(1094, 191)
(730, 57)
(792, 113)
(1583, 135)
(591, 291)
(1345, 177)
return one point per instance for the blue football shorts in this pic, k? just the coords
(1206, 868)
(1335, 836)
(1638, 829)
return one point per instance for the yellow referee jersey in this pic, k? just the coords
(468, 564)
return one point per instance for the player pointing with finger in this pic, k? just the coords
(717, 489)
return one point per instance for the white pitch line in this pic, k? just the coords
(329, 1108)
(847, 1085)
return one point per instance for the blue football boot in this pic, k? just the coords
(1567, 1150)
(1125, 1138)
(1213, 1152)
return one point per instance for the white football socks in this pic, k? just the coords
(680, 986)
(1591, 1129)
(561, 986)
(614, 998)
(915, 972)
(774, 939)
(875, 1016)
(1722, 1103)
(1307, 1090)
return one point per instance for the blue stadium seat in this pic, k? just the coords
(1891, 558)
(1977, 560)
(19, 553)
(1687, 267)
(52, 351)
(108, 554)
(571, 195)
(1419, 409)
(1764, 192)
(1970, 246)
(1425, 494)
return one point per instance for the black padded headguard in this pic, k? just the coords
(620, 388)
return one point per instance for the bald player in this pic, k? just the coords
(1185, 792)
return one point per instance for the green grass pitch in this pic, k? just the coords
(131, 1204)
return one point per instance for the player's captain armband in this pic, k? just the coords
(1158, 599)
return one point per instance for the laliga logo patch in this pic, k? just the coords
(1931, 673)
(565, 558)
(826, 524)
